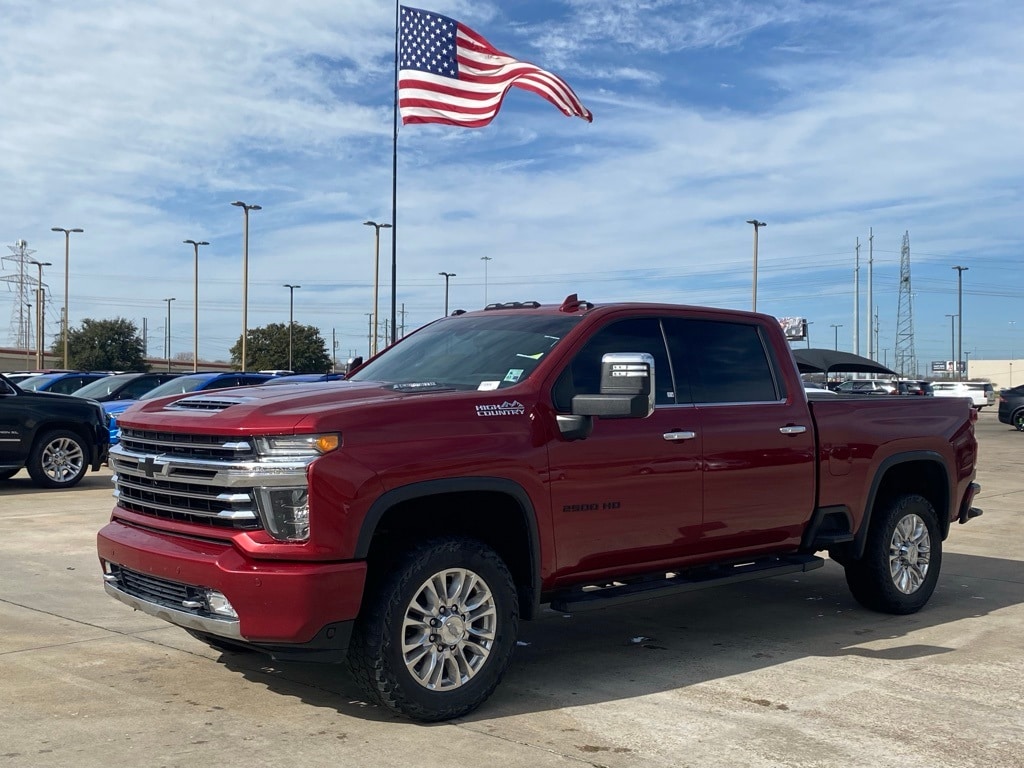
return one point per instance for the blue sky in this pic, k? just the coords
(142, 122)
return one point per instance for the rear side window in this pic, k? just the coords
(723, 362)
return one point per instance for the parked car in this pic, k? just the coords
(813, 389)
(61, 383)
(123, 386)
(1011, 407)
(191, 382)
(866, 387)
(16, 377)
(57, 438)
(913, 387)
(981, 393)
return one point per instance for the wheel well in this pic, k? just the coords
(60, 426)
(494, 518)
(925, 478)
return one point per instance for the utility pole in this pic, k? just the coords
(836, 327)
(960, 314)
(369, 335)
(952, 342)
(856, 300)
(871, 301)
(757, 225)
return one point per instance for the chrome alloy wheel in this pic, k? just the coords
(449, 629)
(909, 554)
(62, 459)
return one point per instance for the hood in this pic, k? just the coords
(258, 408)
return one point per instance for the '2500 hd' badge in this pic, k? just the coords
(513, 408)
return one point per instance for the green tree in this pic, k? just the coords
(104, 345)
(267, 349)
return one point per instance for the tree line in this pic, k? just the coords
(117, 345)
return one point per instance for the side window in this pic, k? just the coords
(227, 381)
(583, 374)
(137, 387)
(724, 362)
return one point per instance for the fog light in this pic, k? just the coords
(220, 605)
(285, 512)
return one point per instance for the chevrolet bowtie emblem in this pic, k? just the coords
(150, 467)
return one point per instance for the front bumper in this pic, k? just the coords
(277, 603)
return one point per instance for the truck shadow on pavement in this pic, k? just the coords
(22, 485)
(672, 643)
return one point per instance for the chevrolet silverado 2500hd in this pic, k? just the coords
(406, 519)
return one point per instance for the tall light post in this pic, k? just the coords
(447, 276)
(836, 327)
(291, 318)
(28, 332)
(195, 304)
(485, 259)
(40, 314)
(167, 347)
(376, 280)
(757, 225)
(246, 207)
(960, 313)
(67, 249)
(952, 342)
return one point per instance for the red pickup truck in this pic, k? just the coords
(404, 520)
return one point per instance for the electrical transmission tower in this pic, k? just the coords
(23, 285)
(906, 360)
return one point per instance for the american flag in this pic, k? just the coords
(449, 74)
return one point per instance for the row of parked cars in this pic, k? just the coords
(58, 424)
(981, 393)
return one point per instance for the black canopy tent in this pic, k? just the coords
(828, 361)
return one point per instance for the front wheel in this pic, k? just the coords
(900, 566)
(59, 459)
(437, 634)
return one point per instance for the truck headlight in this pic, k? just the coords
(297, 446)
(285, 512)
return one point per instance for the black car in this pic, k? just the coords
(1011, 407)
(57, 438)
(123, 386)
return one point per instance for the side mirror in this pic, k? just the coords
(627, 388)
(353, 363)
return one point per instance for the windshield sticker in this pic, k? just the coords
(537, 356)
(514, 375)
(487, 386)
(507, 408)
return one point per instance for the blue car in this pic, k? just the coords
(62, 383)
(299, 378)
(191, 382)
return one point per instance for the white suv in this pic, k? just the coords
(981, 393)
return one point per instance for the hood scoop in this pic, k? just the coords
(206, 403)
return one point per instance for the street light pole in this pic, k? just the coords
(485, 259)
(960, 313)
(167, 348)
(195, 304)
(952, 342)
(757, 225)
(291, 318)
(376, 280)
(447, 277)
(836, 327)
(245, 275)
(40, 314)
(67, 249)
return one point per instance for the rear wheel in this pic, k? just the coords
(1018, 421)
(59, 459)
(437, 634)
(901, 561)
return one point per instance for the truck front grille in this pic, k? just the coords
(178, 446)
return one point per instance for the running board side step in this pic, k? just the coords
(591, 598)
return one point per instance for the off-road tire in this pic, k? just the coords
(903, 554)
(390, 618)
(59, 459)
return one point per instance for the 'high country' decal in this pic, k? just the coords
(513, 408)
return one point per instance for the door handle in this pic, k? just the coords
(678, 437)
(793, 430)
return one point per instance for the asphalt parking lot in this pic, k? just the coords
(779, 672)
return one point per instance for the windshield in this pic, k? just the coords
(477, 352)
(103, 387)
(178, 386)
(35, 382)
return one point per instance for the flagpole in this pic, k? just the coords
(394, 189)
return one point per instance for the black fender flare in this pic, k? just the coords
(860, 540)
(426, 488)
